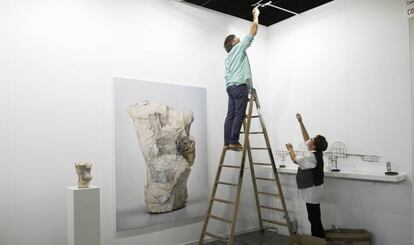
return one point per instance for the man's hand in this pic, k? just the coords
(299, 117)
(256, 12)
(292, 153)
(289, 147)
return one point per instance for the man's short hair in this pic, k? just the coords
(320, 143)
(227, 42)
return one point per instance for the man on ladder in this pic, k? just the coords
(238, 82)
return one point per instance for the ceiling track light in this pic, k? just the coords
(269, 3)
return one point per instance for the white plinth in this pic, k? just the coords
(84, 216)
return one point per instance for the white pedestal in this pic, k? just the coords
(84, 216)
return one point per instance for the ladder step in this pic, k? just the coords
(220, 219)
(274, 222)
(260, 178)
(234, 149)
(255, 132)
(267, 194)
(226, 183)
(259, 148)
(216, 236)
(229, 166)
(255, 116)
(272, 208)
(223, 201)
(264, 164)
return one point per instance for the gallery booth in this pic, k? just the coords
(113, 113)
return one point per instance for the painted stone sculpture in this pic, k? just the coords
(83, 169)
(164, 139)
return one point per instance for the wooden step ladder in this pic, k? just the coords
(247, 150)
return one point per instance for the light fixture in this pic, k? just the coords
(269, 3)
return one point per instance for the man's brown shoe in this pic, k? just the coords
(236, 147)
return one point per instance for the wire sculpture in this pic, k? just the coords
(389, 171)
(301, 149)
(367, 158)
(337, 150)
(282, 156)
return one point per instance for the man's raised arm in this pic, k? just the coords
(255, 23)
(302, 127)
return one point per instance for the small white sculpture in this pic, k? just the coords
(164, 139)
(83, 169)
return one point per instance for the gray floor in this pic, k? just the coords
(256, 238)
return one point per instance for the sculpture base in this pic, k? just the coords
(83, 216)
(391, 173)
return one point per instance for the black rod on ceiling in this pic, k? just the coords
(205, 3)
(269, 3)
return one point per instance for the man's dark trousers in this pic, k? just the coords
(238, 97)
(314, 217)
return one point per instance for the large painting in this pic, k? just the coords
(160, 153)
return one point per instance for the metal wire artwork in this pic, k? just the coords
(336, 151)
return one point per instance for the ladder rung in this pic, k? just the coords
(274, 222)
(267, 193)
(272, 208)
(255, 116)
(259, 148)
(223, 201)
(260, 178)
(216, 236)
(226, 183)
(255, 132)
(221, 219)
(264, 164)
(229, 166)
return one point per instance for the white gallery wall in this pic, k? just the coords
(58, 60)
(345, 67)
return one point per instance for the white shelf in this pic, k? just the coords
(355, 176)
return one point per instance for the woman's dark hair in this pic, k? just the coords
(320, 143)
(227, 43)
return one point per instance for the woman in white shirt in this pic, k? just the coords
(309, 177)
